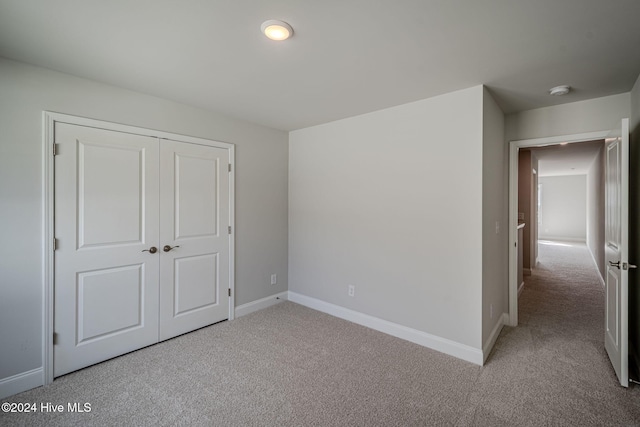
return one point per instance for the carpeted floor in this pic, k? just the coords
(292, 366)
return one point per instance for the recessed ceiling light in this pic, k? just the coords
(560, 90)
(276, 30)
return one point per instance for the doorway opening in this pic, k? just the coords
(616, 247)
(516, 217)
(561, 198)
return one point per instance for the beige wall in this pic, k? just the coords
(26, 91)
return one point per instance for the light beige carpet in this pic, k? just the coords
(292, 366)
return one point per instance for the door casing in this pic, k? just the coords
(49, 119)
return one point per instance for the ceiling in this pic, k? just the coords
(568, 159)
(347, 57)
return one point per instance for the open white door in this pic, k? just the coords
(617, 250)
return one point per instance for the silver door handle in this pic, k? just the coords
(614, 264)
(167, 248)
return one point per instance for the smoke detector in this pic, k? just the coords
(560, 90)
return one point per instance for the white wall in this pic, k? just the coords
(391, 202)
(595, 211)
(563, 210)
(494, 209)
(25, 91)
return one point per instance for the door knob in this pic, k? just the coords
(614, 264)
(167, 248)
(627, 266)
(152, 249)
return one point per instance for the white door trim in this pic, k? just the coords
(49, 118)
(514, 147)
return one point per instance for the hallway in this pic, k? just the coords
(564, 295)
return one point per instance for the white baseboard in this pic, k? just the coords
(452, 348)
(502, 320)
(21, 382)
(250, 307)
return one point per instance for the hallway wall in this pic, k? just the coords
(563, 212)
(595, 211)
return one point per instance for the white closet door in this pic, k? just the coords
(194, 221)
(106, 215)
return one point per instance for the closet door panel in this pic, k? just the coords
(194, 220)
(105, 286)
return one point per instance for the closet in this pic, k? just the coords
(142, 241)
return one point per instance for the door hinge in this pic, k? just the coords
(229, 167)
(229, 289)
(55, 243)
(55, 149)
(55, 338)
(229, 229)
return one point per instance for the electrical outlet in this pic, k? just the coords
(352, 290)
(497, 227)
(274, 279)
(491, 311)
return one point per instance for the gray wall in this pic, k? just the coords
(595, 210)
(391, 202)
(577, 117)
(25, 91)
(495, 264)
(563, 211)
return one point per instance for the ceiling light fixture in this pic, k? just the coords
(560, 90)
(276, 30)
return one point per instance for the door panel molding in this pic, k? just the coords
(194, 188)
(48, 240)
